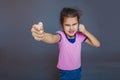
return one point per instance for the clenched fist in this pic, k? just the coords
(38, 31)
(82, 28)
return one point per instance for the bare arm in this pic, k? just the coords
(91, 39)
(39, 34)
(50, 38)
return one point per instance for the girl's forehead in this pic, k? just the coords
(70, 19)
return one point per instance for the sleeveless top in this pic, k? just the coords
(70, 53)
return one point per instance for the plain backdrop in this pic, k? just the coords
(23, 58)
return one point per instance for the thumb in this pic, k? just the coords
(40, 27)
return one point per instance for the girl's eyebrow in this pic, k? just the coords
(74, 23)
(67, 24)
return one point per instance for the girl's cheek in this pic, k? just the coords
(66, 28)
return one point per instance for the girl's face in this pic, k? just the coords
(70, 26)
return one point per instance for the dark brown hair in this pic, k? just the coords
(69, 12)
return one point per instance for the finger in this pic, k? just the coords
(38, 39)
(38, 27)
(38, 35)
(37, 32)
(33, 30)
(34, 34)
(35, 27)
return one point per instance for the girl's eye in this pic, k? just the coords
(74, 24)
(67, 25)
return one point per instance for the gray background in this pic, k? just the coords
(23, 58)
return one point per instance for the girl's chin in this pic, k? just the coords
(71, 35)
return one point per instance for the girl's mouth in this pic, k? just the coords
(71, 31)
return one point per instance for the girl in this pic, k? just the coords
(69, 42)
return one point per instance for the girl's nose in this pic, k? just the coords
(71, 27)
